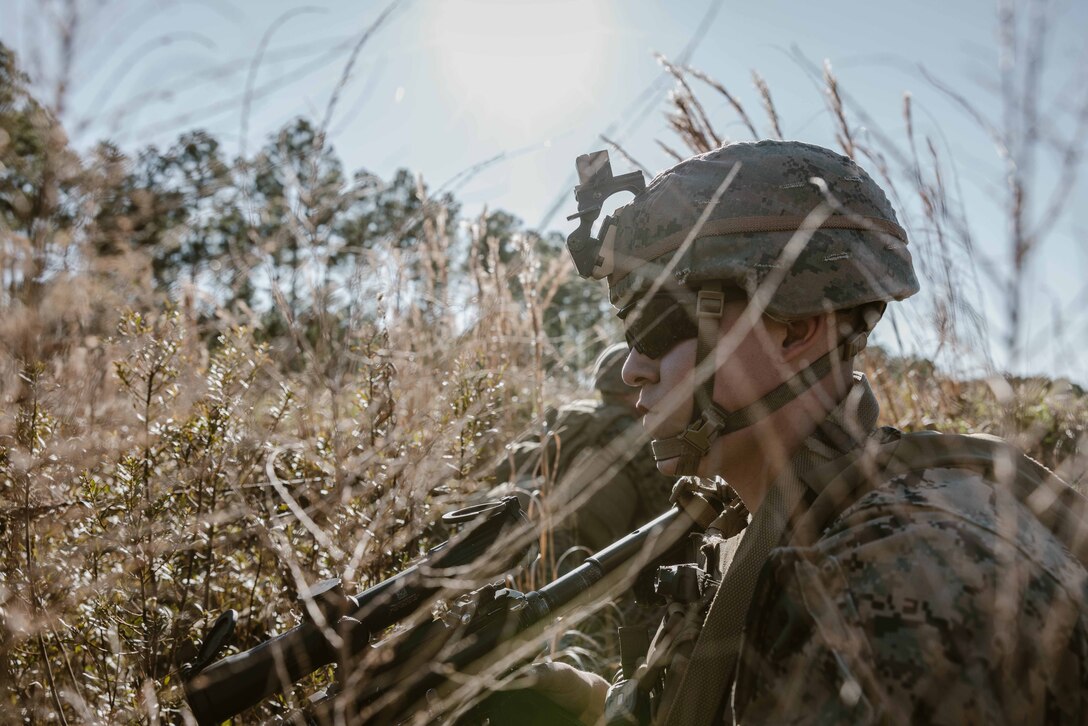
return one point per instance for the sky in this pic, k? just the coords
(494, 99)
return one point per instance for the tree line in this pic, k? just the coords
(285, 237)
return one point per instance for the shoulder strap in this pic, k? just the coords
(590, 417)
(565, 433)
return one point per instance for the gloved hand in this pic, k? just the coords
(577, 692)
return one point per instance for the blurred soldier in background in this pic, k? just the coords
(586, 512)
(857, 574)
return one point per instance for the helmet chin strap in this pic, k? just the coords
(710, 420)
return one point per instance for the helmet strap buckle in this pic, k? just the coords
(854, 344)
(709, 303)
(698, 434)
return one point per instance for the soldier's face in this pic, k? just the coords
(745, 369)
(666, 389)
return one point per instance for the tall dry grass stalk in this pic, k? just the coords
(141, 502)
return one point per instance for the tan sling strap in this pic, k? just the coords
(715, 653)
(837, 485)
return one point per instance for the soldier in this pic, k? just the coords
(594, 455)
(858, 574)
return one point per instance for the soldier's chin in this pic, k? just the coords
(669, 467)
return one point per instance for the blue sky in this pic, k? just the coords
(444, 85)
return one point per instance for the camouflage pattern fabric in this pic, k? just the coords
(587, 449)
(608, 371)
(933, 599)
(936, 597)
(681, 230)
(736, 562)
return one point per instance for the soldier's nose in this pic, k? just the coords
(639, 369)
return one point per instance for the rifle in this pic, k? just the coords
(217, 691)
(431, 670)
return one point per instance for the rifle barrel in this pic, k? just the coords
(647, 543)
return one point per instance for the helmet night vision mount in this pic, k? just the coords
(593, 256)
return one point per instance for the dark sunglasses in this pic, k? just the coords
(654, 326)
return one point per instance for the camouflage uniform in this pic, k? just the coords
(929, 600)
(931, 594)
(594, 463)
(583, 432)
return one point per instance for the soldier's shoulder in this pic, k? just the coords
(578, 408)
(955, 523)
(943, 580)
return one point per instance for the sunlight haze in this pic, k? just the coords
(518, 71)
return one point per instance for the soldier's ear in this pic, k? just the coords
(802, 336)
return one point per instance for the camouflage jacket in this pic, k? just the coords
(932, 598)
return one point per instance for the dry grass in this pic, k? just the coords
(139, 494)
(137, 500)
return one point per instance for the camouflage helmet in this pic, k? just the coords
(694, 227)
(607, 370)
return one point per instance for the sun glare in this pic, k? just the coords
(519, 69)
